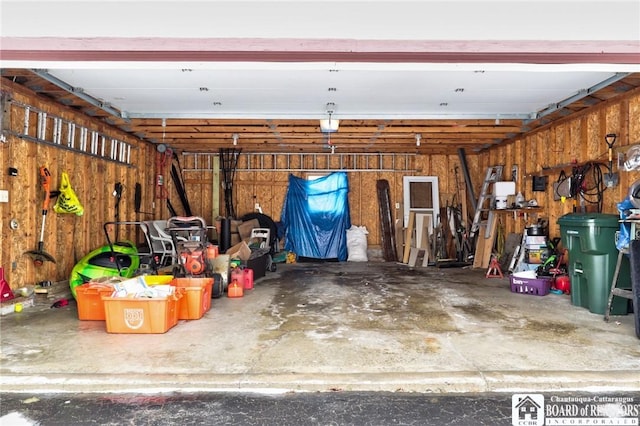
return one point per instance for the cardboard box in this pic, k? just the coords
(536, 256)
(245, 228)
(239, 251)
(235, 235)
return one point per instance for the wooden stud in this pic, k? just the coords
(408, 237)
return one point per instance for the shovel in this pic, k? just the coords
(610, 179)
(39, 255)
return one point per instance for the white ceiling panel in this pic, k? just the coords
(260, 93)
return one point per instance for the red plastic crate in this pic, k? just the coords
(535, 286)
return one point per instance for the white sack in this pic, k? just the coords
(357, 244)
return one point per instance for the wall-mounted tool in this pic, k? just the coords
(611, 179)
(39, 255)
(117, 192)
(138, 199)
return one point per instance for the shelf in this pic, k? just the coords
(551, 170)
(524, 209)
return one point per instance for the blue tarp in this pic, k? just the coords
(316, 216)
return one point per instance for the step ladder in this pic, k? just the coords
(615, 290)
(518, 254)
(494, 174)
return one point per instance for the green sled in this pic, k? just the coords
(101, 262)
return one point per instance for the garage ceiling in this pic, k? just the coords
(198, 73)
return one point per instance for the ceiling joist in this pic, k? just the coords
(438, 136)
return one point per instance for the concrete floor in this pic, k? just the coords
(335, 326)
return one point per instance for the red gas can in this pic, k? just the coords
(248, 278)
(238, 276)
(563, 283)
(235, 289)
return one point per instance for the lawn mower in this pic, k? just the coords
(189, 235)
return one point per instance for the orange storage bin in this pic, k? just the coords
(196, 300)
(90, 304)
(141, 315)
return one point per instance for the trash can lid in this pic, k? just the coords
(604, 220)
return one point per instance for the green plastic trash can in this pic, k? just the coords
(590, 239)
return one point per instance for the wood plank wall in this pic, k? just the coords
(68, 237)
(578, 139)
(268, 187)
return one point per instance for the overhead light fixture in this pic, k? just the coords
(330, 125)
(235, 139)
(418, 139)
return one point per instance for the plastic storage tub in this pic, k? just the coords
(141, 315)
(196, 300)
(537, 286)
(89, 298)
(590, 239)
